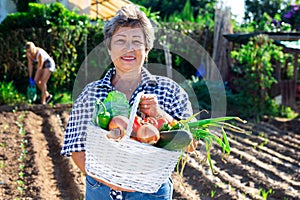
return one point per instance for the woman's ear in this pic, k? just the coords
(147, 52)
(109, 52)
(146, 55)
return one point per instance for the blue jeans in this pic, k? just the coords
(98, 191)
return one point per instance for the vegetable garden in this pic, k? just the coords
(262, 164)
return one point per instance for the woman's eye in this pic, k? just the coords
(120, 41)
(137, 42)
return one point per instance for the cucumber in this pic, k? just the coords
(174, 140)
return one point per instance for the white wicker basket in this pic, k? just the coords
(128, 164)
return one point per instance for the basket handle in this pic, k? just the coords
(133, 113)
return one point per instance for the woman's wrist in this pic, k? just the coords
(163, 114)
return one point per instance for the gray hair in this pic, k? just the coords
(130, 16)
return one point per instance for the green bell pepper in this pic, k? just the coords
(104, 117)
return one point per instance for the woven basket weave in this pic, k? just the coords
(128, 163)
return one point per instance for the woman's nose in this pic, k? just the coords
(129, 46)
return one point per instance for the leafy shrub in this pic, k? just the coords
(62, 33)
(9, 95)
(254, 76)
(69, 37)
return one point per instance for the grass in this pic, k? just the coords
(62, 98)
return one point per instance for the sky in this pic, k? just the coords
(237, 8)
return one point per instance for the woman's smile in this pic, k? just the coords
(128, 58)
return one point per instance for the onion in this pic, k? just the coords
(115, 134)
(119, 121)
(148, 133)
(117, 127)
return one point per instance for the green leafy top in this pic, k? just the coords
(117, 104)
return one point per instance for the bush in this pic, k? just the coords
(62, 33)
(253, 73)
(9, 95)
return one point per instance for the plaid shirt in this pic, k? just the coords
(171, 98)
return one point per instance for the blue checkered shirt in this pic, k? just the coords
(171, 98)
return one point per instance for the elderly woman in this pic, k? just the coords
(45, 65)
(129, 38)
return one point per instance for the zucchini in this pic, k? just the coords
(174, 140)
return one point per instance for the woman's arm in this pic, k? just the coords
(30, 66)
(40, 62)
(79, 160)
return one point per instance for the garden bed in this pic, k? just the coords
(264, 163)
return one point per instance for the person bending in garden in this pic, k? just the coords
(45, 66)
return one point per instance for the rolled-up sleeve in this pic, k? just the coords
(177, 102)
(75, 134)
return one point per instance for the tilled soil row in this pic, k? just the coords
(48, 175)
(263, 163)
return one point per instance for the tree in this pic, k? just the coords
(255, 9)
(166, 7)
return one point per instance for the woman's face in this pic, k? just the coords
(29, 51)
(128, 50)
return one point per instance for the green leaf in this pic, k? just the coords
(227, 146)
(117, 104)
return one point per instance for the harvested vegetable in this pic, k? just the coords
(137, 123)
(203, 130)
(117, 104)
(151, 120)
(148, 133)
(104, 117)
(119, 121)
(115, 134)
(162, 124)
(174, 140)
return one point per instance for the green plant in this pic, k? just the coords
(212, 193)
(254, 76)
(5, 127)
(22, 5)
(64, 98)
(265, 193)
(3, 144)
(9, 95)
(288, 112)
(2, 164)
(62, 33)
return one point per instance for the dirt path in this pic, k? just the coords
(263, 163)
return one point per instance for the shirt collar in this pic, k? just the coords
(148, 78)
(105, 82)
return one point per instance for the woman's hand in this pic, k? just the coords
(149, 105)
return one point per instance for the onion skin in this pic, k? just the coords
(148, 133)
(119, 121)
(115, 134)
(118, 124)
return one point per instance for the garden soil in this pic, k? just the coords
(263, 163)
